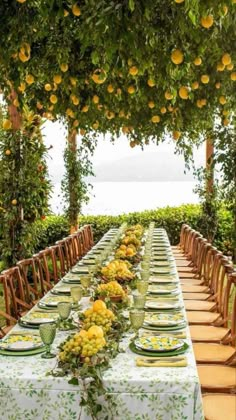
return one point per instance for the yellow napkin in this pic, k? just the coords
(154, 362)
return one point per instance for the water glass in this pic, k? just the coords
(76, 294)
(139, 301)
(85, 281)
(142, 286)
(64, 309)
(47, 333)
(145, 274)
(136, 319)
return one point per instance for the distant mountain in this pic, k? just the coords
(146, 167)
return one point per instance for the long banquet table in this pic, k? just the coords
(140, 393)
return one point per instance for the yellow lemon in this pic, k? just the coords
(95, 331)
(99, 76)
(233, 76)
(75, 123)
(176, 135)
(110, 89)
(130, 62)
(168, 95)
(76, 10)
(131, 90)
(85, 108)
(65, 12)
(73, 81)
(170, 108)
(21, 1)
(53, 99)
(183, 92)
(226, 122)
(198, 61)
(95, 99)
(110, 115)
(118, 91)
(23, 57)
(22, 87)
(225, 112)
(133, 70)
(163, 110)
(99, 305)
(205, 79)
(6, 124)
(47, 87)
(151, 83)
(207, 21)
(177, 57)
(179, 1)
(64, 67)
(155, 119)
(29, 79)
(217, 85)
(199, 103)
(195, 85)
(222, 100)
(57, 79)
(8, 152)
(16, 103)
(203, 102)
(96, 125)
(226, 59)
(75, 99)
(14, 202)
(220, 67)
(151, 104)
(39, 105)
(230, 66)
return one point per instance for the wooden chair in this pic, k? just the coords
(215, 302)
(60, 260)
(219, 332)
(46, 262)
(188, 259)
(217, 378)
(77, 245)
(10, 321)
(16, 293)
(30, 274)
(65, 254)
(87, 238)
(221, 352)
(219, 406)
(183, 233)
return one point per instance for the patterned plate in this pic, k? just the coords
(162, 290)
(21, 342)
(53, 301)
(80, 270)
(37, 318)
(162, 270)
(163, 320)
(161, 280)
(155, 304)
(61, 290)
(159, 343)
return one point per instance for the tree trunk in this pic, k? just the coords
(209, 165)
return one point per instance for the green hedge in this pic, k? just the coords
(46, 232)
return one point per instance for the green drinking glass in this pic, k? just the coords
(64, 309)
(145, 265)
(76, 294)
(145, 274)
(47, 333)
(136, 317)
(142, 286)
(85, 281)
(139, 301)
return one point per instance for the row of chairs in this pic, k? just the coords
(31, 278)
(208, 282)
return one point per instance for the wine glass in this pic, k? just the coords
(139, 300)
(47, 333)
(142, 286)
(136, 317)
(76, 294)
(85, 281)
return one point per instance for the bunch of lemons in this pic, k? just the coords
(117, 269)
(98, 315)
(83, 345)
(113, 288)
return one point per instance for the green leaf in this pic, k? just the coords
(73, 381)
(131, 5)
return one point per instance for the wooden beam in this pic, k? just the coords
(209, 165)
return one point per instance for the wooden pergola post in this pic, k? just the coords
(209, 165)
(73, 194)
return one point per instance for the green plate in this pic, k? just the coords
(22, 353)
(28, 325)
(166, 328)
(158, 354)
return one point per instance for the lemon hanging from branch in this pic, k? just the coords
(177, 57)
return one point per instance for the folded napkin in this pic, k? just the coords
(161, 362)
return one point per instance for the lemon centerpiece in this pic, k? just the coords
(113, 290)
(118, 270)
(98, 315)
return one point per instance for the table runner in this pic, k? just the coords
(136, 393)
